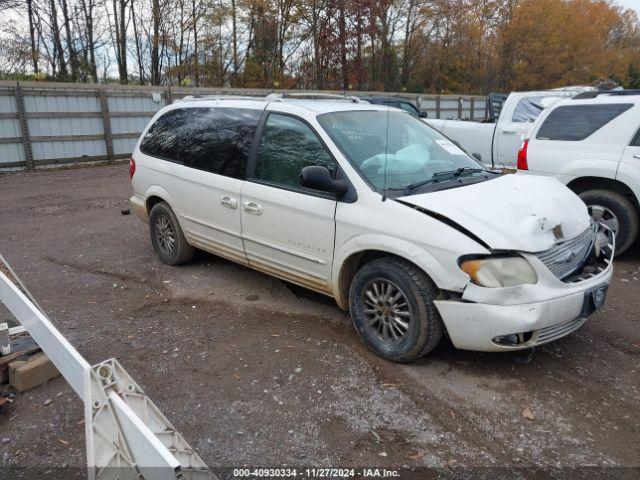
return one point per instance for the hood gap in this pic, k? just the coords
(446, 221)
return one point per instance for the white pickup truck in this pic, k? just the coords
(496, 140)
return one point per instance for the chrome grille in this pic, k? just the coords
(566, 257)
(557, 331)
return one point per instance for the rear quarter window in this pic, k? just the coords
(527, 109)
(576, 122)
(215, 140)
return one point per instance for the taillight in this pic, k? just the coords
(132, 167)
(522, 156)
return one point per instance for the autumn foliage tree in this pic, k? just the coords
(570, 42)
(461, 46)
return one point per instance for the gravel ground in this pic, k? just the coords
(254, 371)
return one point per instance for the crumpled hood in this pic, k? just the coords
(514, 212)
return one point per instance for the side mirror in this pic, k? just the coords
(477, 156)
(424, 114)
(319, 178)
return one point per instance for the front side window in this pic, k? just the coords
(394, 150)
(287, 146)
(576, 122)
(215, 140)
(407, 107)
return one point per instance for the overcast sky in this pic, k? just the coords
(635, 4)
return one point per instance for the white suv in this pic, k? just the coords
(592, 144)
(369, 205)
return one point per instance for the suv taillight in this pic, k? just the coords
(132, 167)
(522, 156)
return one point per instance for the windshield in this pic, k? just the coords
(414, 153)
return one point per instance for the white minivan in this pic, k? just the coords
(371, 206)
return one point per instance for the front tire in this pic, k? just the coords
(617, 212)
(167, 237)
(391, 305)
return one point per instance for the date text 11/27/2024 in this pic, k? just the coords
(286, 473)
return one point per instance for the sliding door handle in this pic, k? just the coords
(228, 201)
(252, 207)
(636, 155)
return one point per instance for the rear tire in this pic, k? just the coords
(167, 237)
(618, 210)
(391, 305)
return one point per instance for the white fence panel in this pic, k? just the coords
(55, 123)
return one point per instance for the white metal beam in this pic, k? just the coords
(61, 353)
(127, 435)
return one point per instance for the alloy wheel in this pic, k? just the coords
(165, 234)
(386, 310)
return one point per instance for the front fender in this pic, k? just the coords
(446, 277)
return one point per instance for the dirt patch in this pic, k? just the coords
(255, 371)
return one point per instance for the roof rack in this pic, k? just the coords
(278, 97)
(594, 94)
(222, 96)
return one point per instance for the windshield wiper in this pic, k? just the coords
(436, 177)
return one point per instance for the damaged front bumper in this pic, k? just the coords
(512, 318)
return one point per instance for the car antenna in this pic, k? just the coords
(386, 152)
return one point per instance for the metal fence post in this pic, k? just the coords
(472, 108)
(106, 123)
(460, 108)
(438, 106)
(168, 97)
(24, 128)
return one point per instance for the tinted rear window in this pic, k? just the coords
(577, 122)
(216, 140)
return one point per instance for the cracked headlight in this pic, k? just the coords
(503, 271)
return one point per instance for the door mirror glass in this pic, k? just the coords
(317, 177)
(477, 156)
(424, 114)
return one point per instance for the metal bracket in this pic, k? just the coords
(5, 339)
(127, 435)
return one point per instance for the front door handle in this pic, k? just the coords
(252, 207)
(636, 155)
(229, 202)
